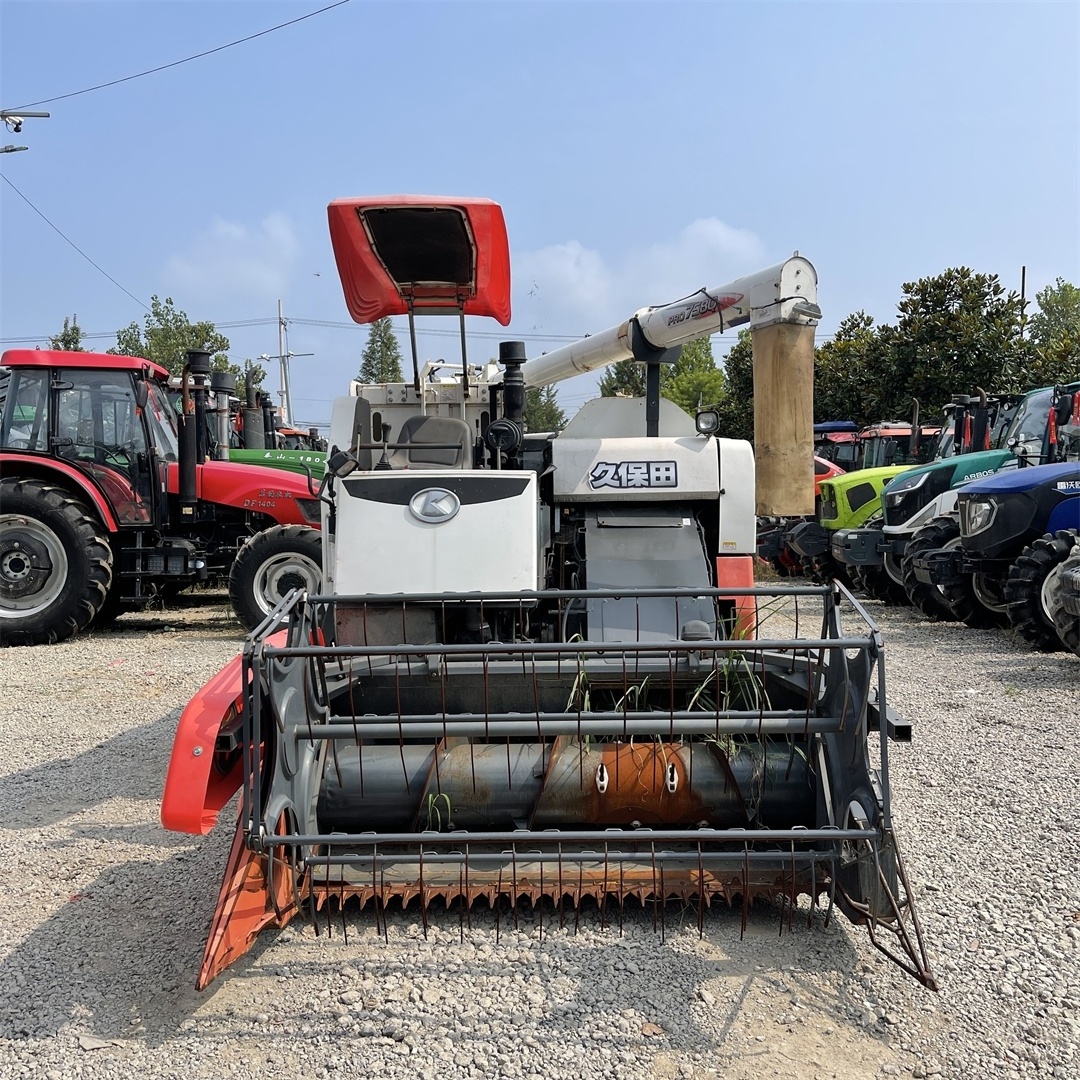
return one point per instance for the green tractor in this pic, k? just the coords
(972, 446)
(851, 500)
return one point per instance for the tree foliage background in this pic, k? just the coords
(380, 362)
(542, 410)
(70, 338)
(167, 334)
(692, 382)
(954, 332)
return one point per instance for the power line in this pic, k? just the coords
(177, 63)
(71, 242)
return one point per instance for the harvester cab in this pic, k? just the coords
(538, 671)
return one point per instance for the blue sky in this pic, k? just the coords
(639, 151)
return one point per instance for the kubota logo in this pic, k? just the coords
(434, 505)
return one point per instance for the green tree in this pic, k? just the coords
(70, 338)
(847, 370)
(624, 379)
(167, 334)
(380, 361)
(1054, 333)
(954, 332)
(694, 380)
(736, 409)
(542, 410)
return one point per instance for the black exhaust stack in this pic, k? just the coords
(192, 384)
(254, 435)
(505, 435)
(270, 441)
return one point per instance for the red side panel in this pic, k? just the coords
(371, 292)
(737, 572)
(196, 788)
(248, 487)
(255, 893)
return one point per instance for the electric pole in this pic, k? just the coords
(283, 357)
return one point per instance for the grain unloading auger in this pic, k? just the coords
(540, 668)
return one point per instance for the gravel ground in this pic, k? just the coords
(103, 914)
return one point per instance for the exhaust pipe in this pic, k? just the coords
(196, 368)
(222, 386)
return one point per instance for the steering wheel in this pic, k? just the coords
(119, 457)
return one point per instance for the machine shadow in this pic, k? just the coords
(130, 765)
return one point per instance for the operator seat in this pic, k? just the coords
(434, 442)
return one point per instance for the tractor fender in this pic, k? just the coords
(60, 473)
(258, 489)
(1066, 515)
(198, 784)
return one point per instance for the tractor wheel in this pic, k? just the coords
(1028, 588)
(823, 568)
(1068, 624)
(929, 599)
(111, 609)
(55, 566)
(876, 583)
(269, 565)
(977, 602)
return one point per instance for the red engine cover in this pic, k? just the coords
(249, 487)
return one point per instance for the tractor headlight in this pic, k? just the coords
(901, 486)
(980, 515)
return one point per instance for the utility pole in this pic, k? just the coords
(283, 356)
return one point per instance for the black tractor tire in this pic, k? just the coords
(56, 564)
(1068, 624)
(964, 599)
(875, 582)
(823, 568)
(929, 599)
(269, 565)
(1027, 588)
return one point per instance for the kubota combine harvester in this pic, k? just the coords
(539, 668)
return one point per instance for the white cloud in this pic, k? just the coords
(233, 261)
(567, 288)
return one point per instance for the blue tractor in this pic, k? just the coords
(969, 563)
(1004, 552)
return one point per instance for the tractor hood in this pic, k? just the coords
(274, 493)
(1019, 480)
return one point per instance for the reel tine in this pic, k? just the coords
(498, 906)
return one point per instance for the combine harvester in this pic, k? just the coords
(537, 669)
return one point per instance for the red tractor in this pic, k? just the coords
(108, 499)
